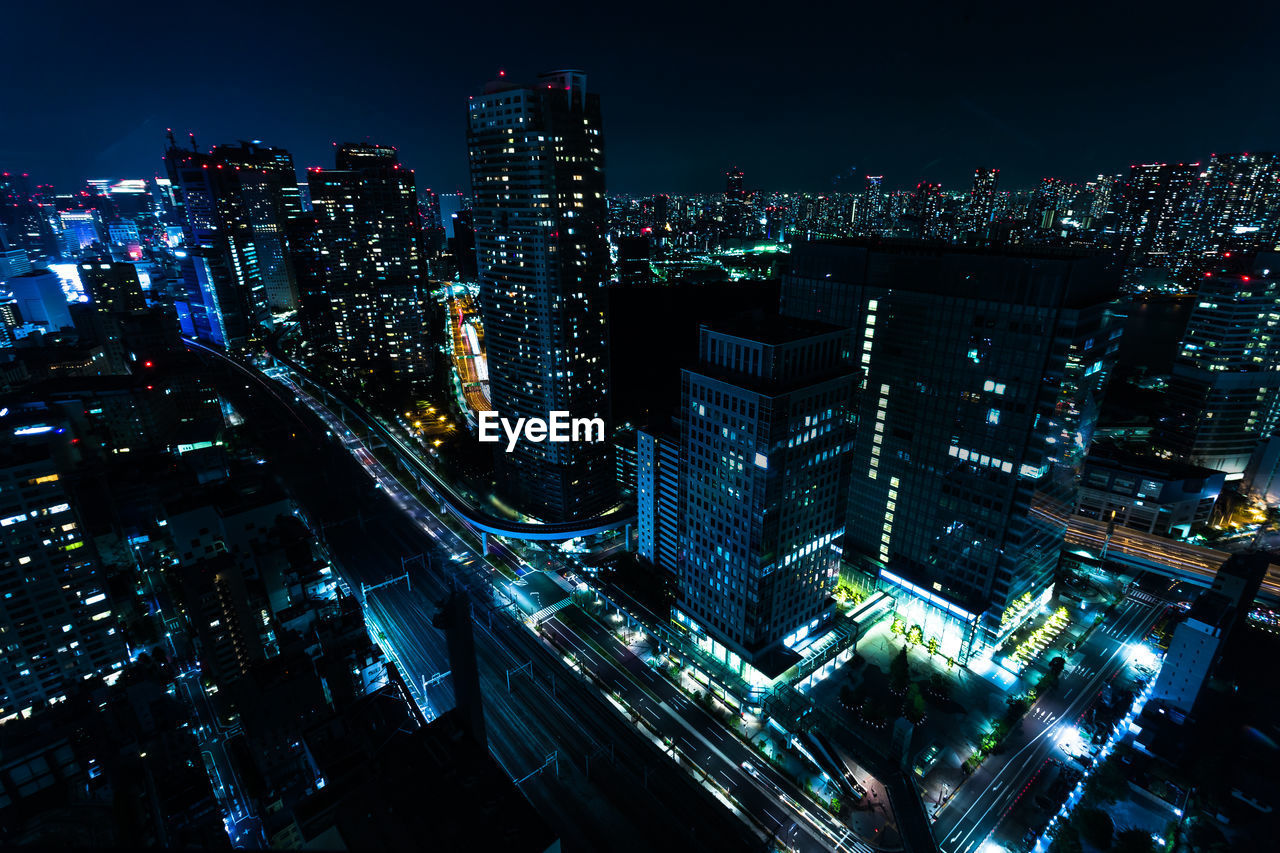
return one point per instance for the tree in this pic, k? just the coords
(1066, 839)
(934, 645)
(915, 636)
(1095, 827)
(939, 685)
(1047, 684)
(1057, 665)
(913, 708)
(1109, 782)
(1134, 840)
(899, 672)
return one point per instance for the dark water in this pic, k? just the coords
(1152, 333)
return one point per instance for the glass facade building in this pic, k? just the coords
(982, 375)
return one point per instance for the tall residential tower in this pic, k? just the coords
(537, 179)
(1224, 394)
(362, 284)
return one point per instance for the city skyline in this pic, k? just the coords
(917, 99)
(924, 503)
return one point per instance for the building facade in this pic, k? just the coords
(763, 486)
(658, 497)
(982, 376)
(1224, 393)
(537, 179)
(56, 622)
(364, 295)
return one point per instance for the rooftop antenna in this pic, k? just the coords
(173, 143)
(193, 141)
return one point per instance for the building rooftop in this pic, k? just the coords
(771, 329)
(1171, 469)
(1023, 275)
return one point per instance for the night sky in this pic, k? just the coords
(795, 93)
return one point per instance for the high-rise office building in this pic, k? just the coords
(1224, 393)
(112, 286)
(13, 261)
(537, 178)
(429, 204)
(364, 299)
(735, 200)
(269, 188)
(982, 376)
(56, 624)
(219, 232)
(982, 199)
(763, 485)
(658, 496)
(1046, 202)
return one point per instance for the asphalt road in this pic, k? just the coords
(775, 804)
(368, 531)
(975, 812)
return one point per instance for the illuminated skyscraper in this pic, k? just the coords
(363, 294)
(924, 214)
(112, 286)
(55, 618)
(763, 486)
(219, 231)
(871, 206)
(1102, 189)
(1048, 199)
(1238, 206)
(733, 188)
(1224, 394)
(982, 198)
(269, 187)
(1157, 198)
(537, 178)
(22, 220)
(735, 200)
(982, 376)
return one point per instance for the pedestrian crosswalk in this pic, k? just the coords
(550, 610)
(1144, 597)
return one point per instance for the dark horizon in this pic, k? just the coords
(685, 93)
